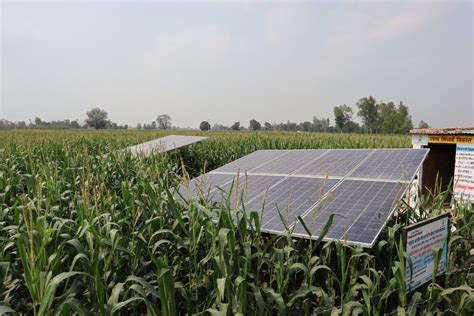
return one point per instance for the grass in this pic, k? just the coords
(88, 233)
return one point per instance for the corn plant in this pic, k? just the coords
(88, 229)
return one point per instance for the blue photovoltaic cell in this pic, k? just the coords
(391, 164)
(361, 189)
(247, 188)
(251, 161)
(292, 197)
(336, 163)
(360, 207)
(289, 162)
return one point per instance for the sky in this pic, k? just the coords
(235, 61)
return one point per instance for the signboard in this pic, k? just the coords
(420, 240)
(451, 139)
(419, 140)
(464, 173)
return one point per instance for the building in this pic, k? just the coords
(451, 158)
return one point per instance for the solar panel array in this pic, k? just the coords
(164, 144)
(359, 186)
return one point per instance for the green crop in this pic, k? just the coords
(85, 229)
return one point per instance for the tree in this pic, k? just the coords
(404, 123)
(38, 122)
(368, 112)
(384, 117)
(96, 118)
(235, 126)
(306, 126)
(320, 125)
(255, 125)
(219, 127)
(288, 126)
(164, 121)
(352, 127)
(388, 118)
(268, 126)
(423, 124)
(75, 124)
(205, 126)
(343, 117)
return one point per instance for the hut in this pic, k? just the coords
(451, 158)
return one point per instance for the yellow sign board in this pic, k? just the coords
(451, 139)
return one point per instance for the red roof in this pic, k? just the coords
(443, 131)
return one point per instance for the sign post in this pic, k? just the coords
(420, 241)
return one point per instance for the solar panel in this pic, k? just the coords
(164, 144)
(360, 207)
(359, 186)
(291, 198)
(249, 162)
(336, 163)
(245, 189)
(390, 164)
(289, 162)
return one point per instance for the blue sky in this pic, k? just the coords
(234, 61)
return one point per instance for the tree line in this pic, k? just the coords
(316, 125)
(375, 116)
(96, 118)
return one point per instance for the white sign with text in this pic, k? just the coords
(421, 239)
(464, 173)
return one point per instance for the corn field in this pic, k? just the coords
(87, 230)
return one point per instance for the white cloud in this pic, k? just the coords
(354, 32)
